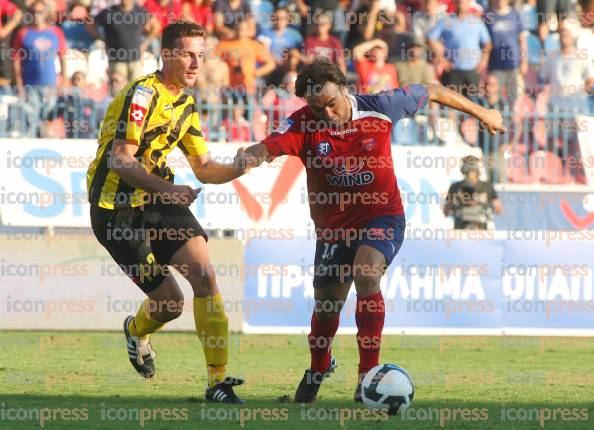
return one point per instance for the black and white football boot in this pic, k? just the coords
(223, 391)
(142, 357)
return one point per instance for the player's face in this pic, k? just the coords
(330, 104)
(185, 60)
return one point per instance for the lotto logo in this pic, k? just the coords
(137, 114)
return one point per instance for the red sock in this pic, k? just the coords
(320, 340)
(369, 315)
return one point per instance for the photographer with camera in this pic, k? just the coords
(471, 201)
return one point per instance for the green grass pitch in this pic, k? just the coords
(78, 380)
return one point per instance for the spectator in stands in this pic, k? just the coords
(117, 82)
(462, 44)
(309, 11)
(323, 44)
(471, 201)
(587, 10)
(360, 11)
(237, 128)
(280, 102)
(570, 75)
(77, 109)
(127, 29)
(548, 11)
(247, 59)
(36, 47)
(528, 16)
(415, 70)
(280, 40)
(98, 5)
(165, 11)
(509, 56)
(200, 12)
(585, 42)
(55, 9)
(375, 74)
(229, 14)
(11, 15)
(393, 31)
(74, 27)
(492, 99)
(212, 82)
(426, 19)
(340, 27)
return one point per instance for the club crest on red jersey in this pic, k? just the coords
(324, 148)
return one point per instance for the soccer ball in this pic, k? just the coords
(388, 386)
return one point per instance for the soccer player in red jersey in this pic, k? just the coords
(344, 142)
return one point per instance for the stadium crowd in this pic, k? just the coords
(63, 60)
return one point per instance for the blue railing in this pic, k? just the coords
(534, 133)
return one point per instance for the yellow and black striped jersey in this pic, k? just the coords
(145, 113)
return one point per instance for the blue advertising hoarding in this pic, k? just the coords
(512, 283)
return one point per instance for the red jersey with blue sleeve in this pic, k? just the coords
(350, 173)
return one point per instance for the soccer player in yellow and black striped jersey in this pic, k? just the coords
(135, 206)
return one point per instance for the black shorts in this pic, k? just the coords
(142, 241)
(333, 262)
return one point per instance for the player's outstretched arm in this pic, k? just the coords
(254, 155)
(491, 118)
(209, 171)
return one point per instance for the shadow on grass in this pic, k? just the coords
(22, 411)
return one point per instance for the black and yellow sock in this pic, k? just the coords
(142, 325)
(212, 326)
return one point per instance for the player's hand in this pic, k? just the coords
(493, 121)
(183, 195)
(244, 161)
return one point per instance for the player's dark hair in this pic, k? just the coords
(180, 29)
(315, 75)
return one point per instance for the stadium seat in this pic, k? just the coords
(547, 168)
